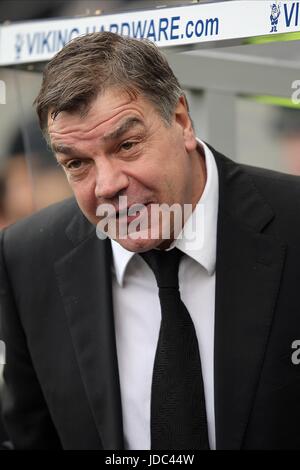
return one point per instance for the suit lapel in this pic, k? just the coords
(248, 271)
(84, 280)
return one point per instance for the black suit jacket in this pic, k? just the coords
(62, 384)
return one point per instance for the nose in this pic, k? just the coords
(110, 180)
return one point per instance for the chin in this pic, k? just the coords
(140, 245)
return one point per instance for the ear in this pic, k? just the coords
(184, 122)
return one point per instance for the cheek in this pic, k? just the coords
(85, 195)
(165, 181)
(172, 187)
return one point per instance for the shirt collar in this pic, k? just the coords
(200, 245)
(121, 258)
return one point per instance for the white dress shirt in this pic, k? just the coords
(137, 313)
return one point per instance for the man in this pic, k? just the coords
(96, 359)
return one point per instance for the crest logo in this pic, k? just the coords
(274, 17)
(19, 45)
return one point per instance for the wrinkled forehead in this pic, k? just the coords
(82, 109)
(107, 113)
(105, 106)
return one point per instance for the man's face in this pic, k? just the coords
(122, 147)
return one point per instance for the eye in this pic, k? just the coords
(74, 164)
(127, 145)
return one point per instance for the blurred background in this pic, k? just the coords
(234, 93)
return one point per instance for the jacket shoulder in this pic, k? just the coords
(281, 192)
(29, 234)
(280, 189)
(271, 175)
(253, 189)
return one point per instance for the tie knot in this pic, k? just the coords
(164, 265)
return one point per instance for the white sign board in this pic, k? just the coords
(38, 41)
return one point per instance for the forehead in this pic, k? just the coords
(105, 112)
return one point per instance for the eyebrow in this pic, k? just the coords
(66, 150)
(124, 127)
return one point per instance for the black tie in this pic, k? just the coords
(178, 415)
